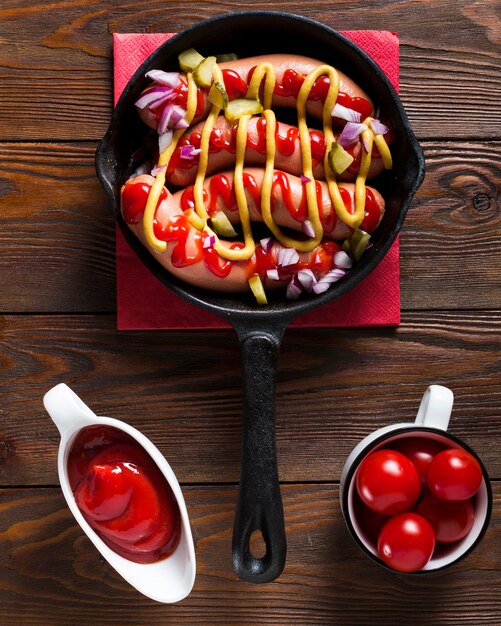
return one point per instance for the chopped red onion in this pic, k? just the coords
(326, 281)
(307, 279)
(342, 260)
(169, 79)
(346, 114)
(284, 273)
(166, 98)
(350, 134)
(308, 228)
(164, 140)
(378, 127)
(287, 256)
(272, 274)
(189, 152)
(177, 114)
(152, 96)
(209, 241)
(182, 124)
(305, 179)
(266, 244)
(294, 289)
(163, 122)
(172, 117)
(159, 168)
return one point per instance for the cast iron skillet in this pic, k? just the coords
(260, 329)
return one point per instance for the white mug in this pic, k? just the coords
(431, 422)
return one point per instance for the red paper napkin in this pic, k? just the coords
(143, 303)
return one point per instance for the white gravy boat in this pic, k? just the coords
(168, 580)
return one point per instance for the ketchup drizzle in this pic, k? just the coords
(292, 82)
(134, 198)
(222, 140)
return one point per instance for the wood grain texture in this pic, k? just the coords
(450, 239)
(183, 390)
(55, 72)
(56, 230)
(50, 574)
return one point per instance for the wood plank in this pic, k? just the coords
(183, 390)
(450, 240)
(56, 230)
(55, 70)
(51, 574)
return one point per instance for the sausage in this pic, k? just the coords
(288, 201)
(290, 72)
(222, 145)
(187, 258)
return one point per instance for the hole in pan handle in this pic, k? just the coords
(259, 504)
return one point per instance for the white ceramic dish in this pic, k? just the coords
(169, 580)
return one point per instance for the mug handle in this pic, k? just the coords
(435, 408)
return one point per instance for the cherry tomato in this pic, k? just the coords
(388, 482)
(420, 451)
(406, 542)
(450, 521)
(454, 474)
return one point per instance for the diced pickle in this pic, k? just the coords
(222, 225)
(356, 244)
(359, 241)
(203, 72)
(194, 219)
(242, 106)
(218, 95)
(257, 288)
(223, 58)
(346, 246)
(189, 60)
(339, 159)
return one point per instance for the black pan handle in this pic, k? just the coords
(259, 505)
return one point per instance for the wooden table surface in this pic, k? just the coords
(58, 325)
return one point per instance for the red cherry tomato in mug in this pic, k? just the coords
(406, 542)
(454, 474)
(420, 451)
(388, 482)
(451, 521)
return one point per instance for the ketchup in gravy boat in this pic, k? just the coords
(123, 495)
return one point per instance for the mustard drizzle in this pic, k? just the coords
(304, 138)
(266, 71)
(243, 208)
(164, 158)
(198, 188)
